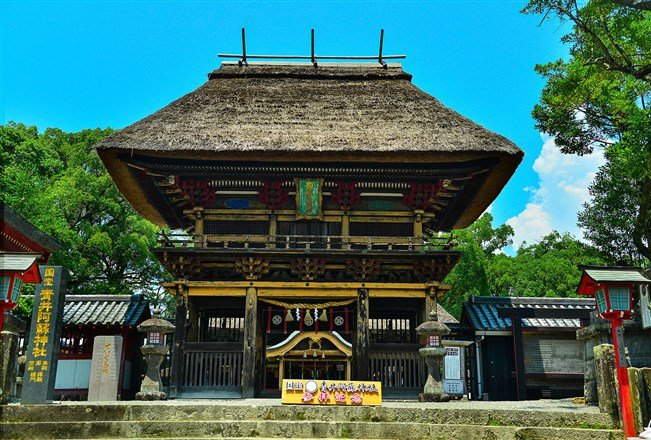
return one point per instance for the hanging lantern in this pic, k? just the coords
(324, 316)
(288, 316)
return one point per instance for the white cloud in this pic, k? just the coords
(562, 189)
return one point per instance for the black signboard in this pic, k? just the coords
(44, 336)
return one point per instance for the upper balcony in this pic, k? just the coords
(307, 257)
(308, 243)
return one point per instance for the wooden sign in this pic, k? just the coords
(309, 199)
(331, 392)
(43, 347)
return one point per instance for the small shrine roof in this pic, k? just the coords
(19, 235)
(444, 316)
(106, 310)
(615, 274)
(17, 262)
(482, 312)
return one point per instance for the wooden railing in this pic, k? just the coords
(308, 242)
(403, 368)
(212, 365)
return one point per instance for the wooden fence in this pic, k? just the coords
(400, 368)
(212, 365)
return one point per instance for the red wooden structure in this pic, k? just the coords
(24, 247)
(612, 288)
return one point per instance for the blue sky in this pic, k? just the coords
(86, 64)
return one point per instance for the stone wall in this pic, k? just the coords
(9, 356)
(608, 394)
(636, 339)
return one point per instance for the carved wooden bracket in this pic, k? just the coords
(252, 267)
(308, 269)
(434, 269)
(181, 295)
(198, 192)
(366, 269)
(272, 195)
(419, 195)
(346, 195)
(182, 267)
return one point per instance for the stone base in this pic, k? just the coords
(429, 397)
(151, 395)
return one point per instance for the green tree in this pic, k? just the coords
(598, 98)
(477, 244)
(607, 219)
(548, 268)
(57, 181)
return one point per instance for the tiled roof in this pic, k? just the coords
(105, 310)
(16, 262)
(482, 311)
(615, 274)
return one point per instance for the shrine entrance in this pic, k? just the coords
(315, 369)
(309, 355)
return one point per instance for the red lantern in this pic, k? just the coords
(17, 269)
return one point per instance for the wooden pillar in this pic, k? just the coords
(518, 353)
(362, 344)
(273, 230)
(431, 301)
(198, 226)
(281, 372)
(418, 224)
(345, 230)
(250, 343)
(176, 376)
(193, 317)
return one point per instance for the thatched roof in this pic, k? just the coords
(296, 112)
(302, 108)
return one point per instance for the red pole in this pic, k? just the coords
(628, 423)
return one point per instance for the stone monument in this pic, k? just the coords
(105, 369)
(44, 336)
(434, 355)
(153, 352)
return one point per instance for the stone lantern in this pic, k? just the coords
(153, 352)
(433, 354)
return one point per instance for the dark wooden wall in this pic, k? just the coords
(498, 363)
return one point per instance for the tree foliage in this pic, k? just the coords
(599, 98)
(548, 268)
(57, 181)
(607, 219)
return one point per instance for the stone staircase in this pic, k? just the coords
(243, 419)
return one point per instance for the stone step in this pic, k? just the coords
(88, 412)
(292, 429)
